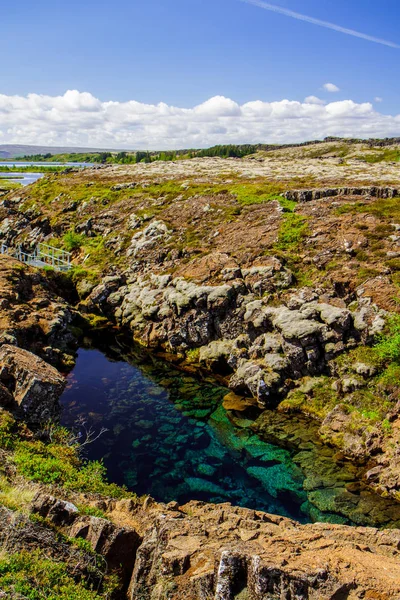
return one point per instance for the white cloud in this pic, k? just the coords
(331, 87)
(378, 99)
(80, 119)
(313, 100)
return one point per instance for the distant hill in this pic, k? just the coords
(16, 150)
(63, 153)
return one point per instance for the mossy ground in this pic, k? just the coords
(32, 575)
(57, 463)
(9, 184)
(374, 397)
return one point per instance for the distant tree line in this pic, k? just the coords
(230, 151)
(224, 151)
(127, 158)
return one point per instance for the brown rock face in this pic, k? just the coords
(239, 403)
(118, 545)
(34, 385)
(222, 552)
(202, 551)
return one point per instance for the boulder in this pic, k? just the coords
(57, 511)
(35, 386)
(294, 326)
(215, 355)
(117, 544)
(256, 379)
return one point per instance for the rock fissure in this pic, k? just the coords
(279, 287)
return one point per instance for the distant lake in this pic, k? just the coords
(22, 178)
(27, 178)
(43, 164)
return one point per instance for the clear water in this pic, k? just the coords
(169, 436)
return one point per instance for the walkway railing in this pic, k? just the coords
(42, 256)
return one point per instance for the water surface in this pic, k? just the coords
(22, 178)
(26, 178)
(169, 436)
(18, 163)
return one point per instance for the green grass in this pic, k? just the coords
(8, 431)
(384, 208)
(248, 194)
(9, 185)
(92, 511)
(287, 205)
(56, 463)
(33, 169)
(292, 231)
(60, 465)
(388, 346)
(293, 227)
(31, 576)
(15, 497)
(388, 155)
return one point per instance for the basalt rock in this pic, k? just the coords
(318, 194)
(201, 551)
(236, 331)
(221, 552)
(118, 545)
(34, 385)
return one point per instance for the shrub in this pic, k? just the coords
(57, 464)
(73, 241)
(29, 575)
(7, 431)
(293, 229)
(248, 194)
(388, 347)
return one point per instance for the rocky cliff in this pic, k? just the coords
(204, 551)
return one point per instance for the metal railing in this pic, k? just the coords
(42, 256)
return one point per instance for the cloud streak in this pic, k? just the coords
(80, 119)
(300, 17)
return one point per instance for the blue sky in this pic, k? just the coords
(184, 52)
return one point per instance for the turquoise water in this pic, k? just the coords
(169, 436)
